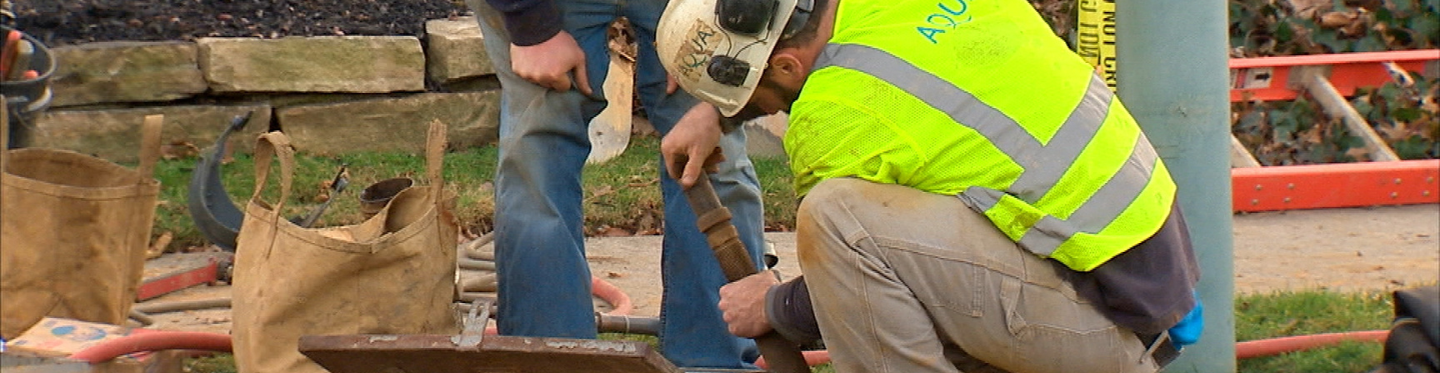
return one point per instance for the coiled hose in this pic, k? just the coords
(617, 320)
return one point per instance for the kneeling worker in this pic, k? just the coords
(975, 198)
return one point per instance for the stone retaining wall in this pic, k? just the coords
(332, 95)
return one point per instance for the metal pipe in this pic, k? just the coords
(186, 305)
(143, 318)
(482, 284)
(1172, 75)
(478, 265)
(475, 249)
(604, 323)
(627, 324)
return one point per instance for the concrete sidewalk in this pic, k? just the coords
(1360, 249)
(1351, 249)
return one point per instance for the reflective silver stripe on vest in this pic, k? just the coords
(1094, 214)
(1043, 164)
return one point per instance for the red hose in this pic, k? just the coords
(607, 292)
(154, 341)
(613, 295)
(1276, 346)
(171, 340)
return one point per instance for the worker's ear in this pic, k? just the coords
(786, 68)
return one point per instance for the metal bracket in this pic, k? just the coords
(474, 324)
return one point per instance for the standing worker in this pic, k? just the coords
(542, 49)
(975, 198)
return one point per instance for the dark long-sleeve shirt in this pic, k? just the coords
(1146, 289)
(529, 22)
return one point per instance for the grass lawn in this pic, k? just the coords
(620, 194)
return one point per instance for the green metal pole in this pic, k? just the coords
(1172, 73)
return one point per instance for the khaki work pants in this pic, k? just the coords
(906, 281)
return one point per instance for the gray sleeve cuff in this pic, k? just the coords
(788, 309)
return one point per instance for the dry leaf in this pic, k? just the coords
(1311, 136)
(1358, 153)
(602, 191)
(614, 232)
(642, 184)
(1337, 19)
(324, 193)
(158, 247)
(179, 149)
(646, 221)
(1393, 131)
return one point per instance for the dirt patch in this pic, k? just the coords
(81, 21)
(1354, 249)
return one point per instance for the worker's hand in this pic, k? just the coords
(743, 304)
(549, 63)
(690, 148)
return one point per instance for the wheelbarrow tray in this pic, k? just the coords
(499, 354)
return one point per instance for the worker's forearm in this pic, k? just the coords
(787, 306)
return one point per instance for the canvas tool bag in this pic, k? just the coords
(73, 232)
(393, 273)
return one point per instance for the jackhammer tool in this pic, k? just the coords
(214, 214)
(714, 220)
(337, 185)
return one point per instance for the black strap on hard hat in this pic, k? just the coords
(751, 17)
(748, 17)
(798, 18)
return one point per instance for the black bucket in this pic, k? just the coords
(377, 195)
(27, 97)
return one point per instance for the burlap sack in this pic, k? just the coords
(391, 274)
(73, 232)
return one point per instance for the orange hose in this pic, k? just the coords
(613, 295)
(154, 341)
(1276, 346)
(607, 292)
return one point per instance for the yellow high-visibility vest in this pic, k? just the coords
(979, 98)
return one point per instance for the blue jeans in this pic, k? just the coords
(544, 287)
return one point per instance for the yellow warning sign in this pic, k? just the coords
(1095, 37)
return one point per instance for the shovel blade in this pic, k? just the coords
(610, 131)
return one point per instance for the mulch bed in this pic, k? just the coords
(66, 22)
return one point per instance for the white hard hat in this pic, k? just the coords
(717, 49)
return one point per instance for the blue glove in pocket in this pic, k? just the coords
(1187, 331)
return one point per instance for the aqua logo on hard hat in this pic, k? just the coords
(694, 55)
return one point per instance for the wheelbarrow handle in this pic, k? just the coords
(714, 220)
